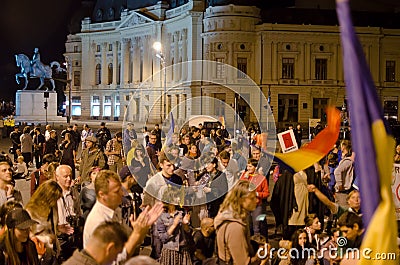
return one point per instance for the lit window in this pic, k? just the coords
(107, 106)
(76, 108)
(117, 105)
(95, 108)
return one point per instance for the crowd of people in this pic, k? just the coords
(193, 197)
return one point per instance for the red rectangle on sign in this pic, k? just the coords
(287, 140)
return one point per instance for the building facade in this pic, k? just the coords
(116, 74)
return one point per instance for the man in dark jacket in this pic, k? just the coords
(103, 135)
(106, 242)
(16, 142)
(283, 202)
(51, 143)
(38, 144)
(76, 136)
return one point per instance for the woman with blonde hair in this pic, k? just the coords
(51, 170)
(42, 207)
(231, 223)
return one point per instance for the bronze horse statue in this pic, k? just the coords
(41, 71)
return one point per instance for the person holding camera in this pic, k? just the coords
(69, 214)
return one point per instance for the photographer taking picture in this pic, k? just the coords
(69, 225)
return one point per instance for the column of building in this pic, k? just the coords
(307, 61)
(184, 55)
(333, 60)
(301, 64)
(167, 55)
(136, 59)
(125, 58)
(176, 56)
(274, 62)
(147, 52)
(115, 63)
(104, 67)
(182, 106)
(92, 64)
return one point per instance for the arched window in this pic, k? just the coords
(110, 73)
(98, 74)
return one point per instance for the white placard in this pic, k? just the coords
(287, 141)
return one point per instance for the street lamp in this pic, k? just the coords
(69, 76)
(157, 46)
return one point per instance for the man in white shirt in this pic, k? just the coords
(68, 209)
(228, 166)
(47, 132)
(109, 196)
(157, 184)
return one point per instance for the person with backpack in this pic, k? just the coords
(231, 223)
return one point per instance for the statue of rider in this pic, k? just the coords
(36, 64)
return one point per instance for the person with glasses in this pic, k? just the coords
(7, 190)
(69, 213)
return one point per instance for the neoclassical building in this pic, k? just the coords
(293, 55)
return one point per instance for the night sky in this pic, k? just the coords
(26, 24)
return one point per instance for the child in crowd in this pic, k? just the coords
(21, 170)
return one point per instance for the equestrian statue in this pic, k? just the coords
(35, 69)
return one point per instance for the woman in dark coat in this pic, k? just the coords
(215, 188)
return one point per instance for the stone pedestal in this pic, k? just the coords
(29, 107)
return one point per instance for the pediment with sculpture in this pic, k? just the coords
(135, 19)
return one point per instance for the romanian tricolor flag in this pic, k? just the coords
(374, 148)
(319, 147)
